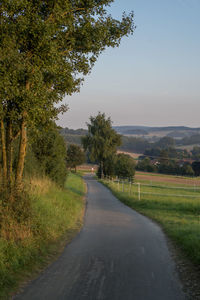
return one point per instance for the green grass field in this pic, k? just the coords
(175, 207)
(56, 218)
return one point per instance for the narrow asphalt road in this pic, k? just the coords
(118, 255)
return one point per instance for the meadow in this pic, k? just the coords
(176, 207)
(55, 217)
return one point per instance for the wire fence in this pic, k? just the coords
(138, 189)
(181, 198)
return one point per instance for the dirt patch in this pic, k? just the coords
(189, 274)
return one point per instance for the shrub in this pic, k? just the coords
(124, 166)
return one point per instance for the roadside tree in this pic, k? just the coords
(49, 148)
(46, 47)
(109, 165)
(125, 166)
(101, 141)
(75, 156)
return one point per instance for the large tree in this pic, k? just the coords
(75, 156)
(46, 47)
(101, 141)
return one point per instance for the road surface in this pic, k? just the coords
(118, 255)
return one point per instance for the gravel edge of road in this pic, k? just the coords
(188, 273)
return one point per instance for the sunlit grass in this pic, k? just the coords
(55, 214)
(179, 215)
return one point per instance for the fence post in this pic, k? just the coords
(139, 191)
(118, 184)
(130, 187)
(122, 186)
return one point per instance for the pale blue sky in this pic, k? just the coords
(153, 78)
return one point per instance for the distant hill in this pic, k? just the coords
(152, 134)
(138, 139)
(127, 129)
(80, 131)
(137, 132)
(73, 136)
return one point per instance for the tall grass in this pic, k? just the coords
(55, 215)
(179, 215)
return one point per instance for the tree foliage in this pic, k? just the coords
(165, 143)
(196, 168)
(49, 149)
(46, 47)
(134, 144)
(75, 156)
(102, 140)
(124, 166)
(166, 166)
(146, 165)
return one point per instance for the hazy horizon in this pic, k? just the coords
(133, 125)
(153, 78)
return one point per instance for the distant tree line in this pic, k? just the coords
(138, 144)
(191, 140)
(67, 131)
(161, 156)
(134, 144)
(170, 160)
(165, 165)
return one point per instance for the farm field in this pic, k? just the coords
(176, 207)
(87, 168)
(167, 179)
(132, 154)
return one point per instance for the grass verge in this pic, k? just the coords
(56, 216)
(179, 217)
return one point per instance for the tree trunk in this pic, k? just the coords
(102, 175)
(21, 155)
(101, 169)
(4, 158)
(9, 150)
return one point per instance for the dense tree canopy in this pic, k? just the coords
(102, 140)
(196, 168)
(125, 166)
(165, 143)
(49, 149)
(75, 156)
(46, 47)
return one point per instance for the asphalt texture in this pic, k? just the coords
(118, 255)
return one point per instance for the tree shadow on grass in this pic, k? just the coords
(76, 191)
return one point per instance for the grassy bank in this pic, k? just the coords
(176, 209)
(56, 215)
